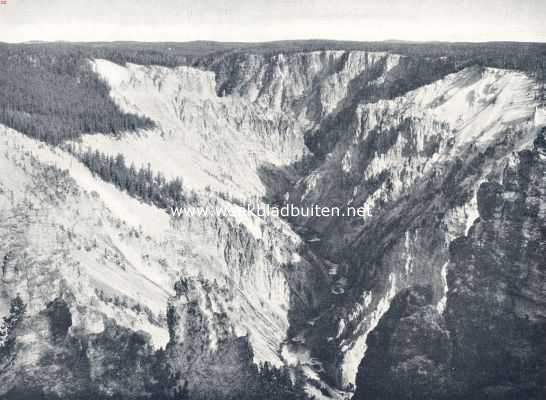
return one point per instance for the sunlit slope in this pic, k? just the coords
(70, 232)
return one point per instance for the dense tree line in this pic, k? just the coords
(515, 55)
(141, 183)
(52, 96)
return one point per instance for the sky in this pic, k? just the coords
(265, 20)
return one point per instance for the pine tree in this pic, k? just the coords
(9, 326)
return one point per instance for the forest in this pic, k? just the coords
(141, 183)
(53, 96)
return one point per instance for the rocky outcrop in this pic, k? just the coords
(489, 341)
(408, 353)
(496, 300)
(203, 348)
(310, 83)
(47, 362)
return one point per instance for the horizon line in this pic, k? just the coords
(401, 41)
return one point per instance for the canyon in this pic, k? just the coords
(447, 159)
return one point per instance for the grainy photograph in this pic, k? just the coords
(272, 200)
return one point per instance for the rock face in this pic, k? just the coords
(49, 362)
(414, 163)
(408, 353)
(203, 347)
(489, 341)
(495, 306)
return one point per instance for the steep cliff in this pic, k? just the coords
(488, 343)
(203, 347)
(72, 237)
(414, 163)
